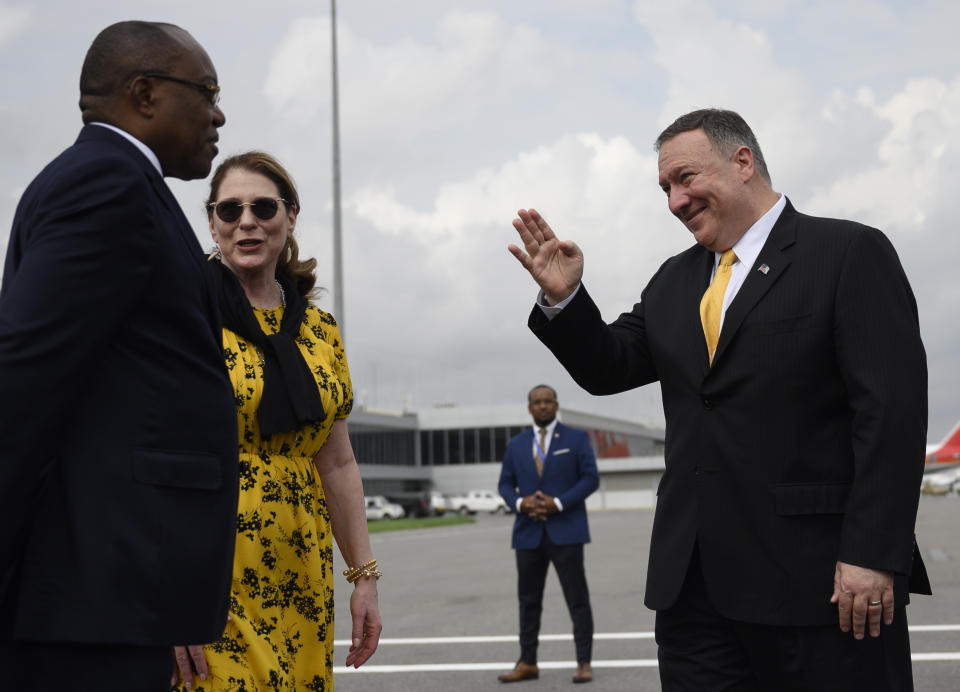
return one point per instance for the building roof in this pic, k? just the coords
(451, 417)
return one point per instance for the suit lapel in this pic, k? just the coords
(193, 250)
(175, 217)
(183, 228)
(775, 256)
(556, 442)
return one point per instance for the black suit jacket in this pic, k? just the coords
(118, 438)
(802, 445)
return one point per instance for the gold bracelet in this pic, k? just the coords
(359, 573)
(370, 564)
(367, 569)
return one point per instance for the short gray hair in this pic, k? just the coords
(726, 131)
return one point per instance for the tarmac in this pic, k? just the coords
(449, 608)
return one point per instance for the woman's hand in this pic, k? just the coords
(182, 656)
(343, 490)
(366, 622)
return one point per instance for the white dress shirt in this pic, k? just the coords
(546, 450)
(747, 249)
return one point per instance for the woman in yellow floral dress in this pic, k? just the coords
(299, 480)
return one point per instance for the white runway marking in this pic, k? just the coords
(501, 667)
(617, 636)
(562, 665)
(555, 665)
(498, 639)
(945, 656)
(934, 628)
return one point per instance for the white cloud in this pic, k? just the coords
(713, 61)
(903, 186)
(13, 20)
(600, 192)
(567, 177)
(405, 85)
(576, 176)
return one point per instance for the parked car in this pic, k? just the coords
(438, 503)
(378, 507)
(414, 503)
(941, 482)
(474, 501)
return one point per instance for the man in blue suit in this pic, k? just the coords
(548, 471)
(118, 438)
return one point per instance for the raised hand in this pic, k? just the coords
(556, 265)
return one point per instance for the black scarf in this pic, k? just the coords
(290, 398)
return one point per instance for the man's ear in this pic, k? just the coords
(142, 96)
(743, 159)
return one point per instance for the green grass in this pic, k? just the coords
(379, 525)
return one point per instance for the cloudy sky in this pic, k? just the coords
(454, 113)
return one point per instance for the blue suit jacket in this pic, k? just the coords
(118, 437)
(570, 474)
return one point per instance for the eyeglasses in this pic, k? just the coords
(210, 91)
(264, 208)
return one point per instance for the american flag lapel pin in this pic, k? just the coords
(763, 269)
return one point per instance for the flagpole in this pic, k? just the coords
(338, 310)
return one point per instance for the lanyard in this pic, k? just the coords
(543, 456)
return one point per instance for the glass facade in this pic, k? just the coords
(475, 445)
(392, 447)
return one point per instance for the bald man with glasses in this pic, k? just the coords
(118, 438)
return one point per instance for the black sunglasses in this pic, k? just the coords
(210, 91)
(264, 208)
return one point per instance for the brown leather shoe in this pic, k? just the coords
(584, 673)
(522, 671)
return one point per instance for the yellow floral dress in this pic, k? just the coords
(280, 636)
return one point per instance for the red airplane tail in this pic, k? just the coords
(948, 451)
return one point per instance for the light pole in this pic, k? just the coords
(338, 310)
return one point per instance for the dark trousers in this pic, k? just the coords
(52, 667)
(532, 576)
(699, 650)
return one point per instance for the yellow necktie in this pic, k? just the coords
(537, 459)
(711, 305)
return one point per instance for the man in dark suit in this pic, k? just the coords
(794, 383)
(118, 438)
(548, 472)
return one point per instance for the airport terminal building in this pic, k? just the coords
(453, 449)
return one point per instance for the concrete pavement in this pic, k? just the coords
(448, 601)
